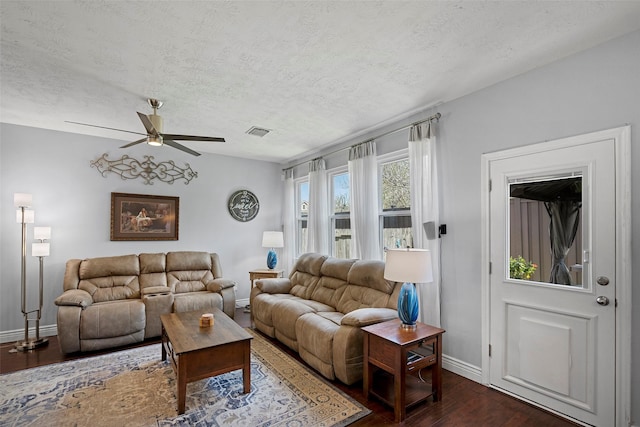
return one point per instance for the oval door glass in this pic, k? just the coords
(545, 230)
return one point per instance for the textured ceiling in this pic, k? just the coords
(315, 73)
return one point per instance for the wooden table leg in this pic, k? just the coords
(246, 369)
(399, 383)
(367, 372)
(437, 370)
(163, 342)
(181, 374)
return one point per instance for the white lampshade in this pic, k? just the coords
(408, 265)
(42, 233)
(40, 249)
(272, 239)
(22, 200)
(29, 216)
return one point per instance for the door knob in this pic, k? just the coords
(602, 300)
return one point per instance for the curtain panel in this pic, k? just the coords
(425, 213)
(289, 221)
(318, 224)
(363, 183)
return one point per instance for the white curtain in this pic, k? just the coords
(363, 182)
(425, 213)
(318, 224)
(289, 220)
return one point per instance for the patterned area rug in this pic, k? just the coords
(135, 388)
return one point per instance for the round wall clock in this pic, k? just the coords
(243, 205)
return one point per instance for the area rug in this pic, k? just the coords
(135, 388)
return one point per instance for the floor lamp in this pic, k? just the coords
(26, 216)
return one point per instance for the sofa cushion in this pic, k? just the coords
(303, 284)
(332, 282)
(112, 319)
(196, 301)
(367, 287)
(315, 342)
(262, 307)
(188, 260)
(112, 288)
(305, 274)
(125, 265)
(188, 281)
(110, 278)
(285, 314)
(152, 270)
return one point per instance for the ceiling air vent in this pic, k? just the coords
(256, 131)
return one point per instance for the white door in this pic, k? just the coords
(552, 339)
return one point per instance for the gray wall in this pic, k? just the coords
(74, 199)
(593, 90)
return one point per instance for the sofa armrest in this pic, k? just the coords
(74, 297)
(274, 286)
(156, 290)
(368, 316)
(217, 285)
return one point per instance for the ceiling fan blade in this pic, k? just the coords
(180, 147)
(193, 138)
(103, 127)
(147, 124)
(134, 142)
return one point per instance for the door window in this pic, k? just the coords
(545, 230)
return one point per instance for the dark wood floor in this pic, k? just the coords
(464, 403)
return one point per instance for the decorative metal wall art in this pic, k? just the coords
(148, 170)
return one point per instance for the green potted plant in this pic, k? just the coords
(520, 268)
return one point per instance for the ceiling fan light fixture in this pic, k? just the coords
(154, 140)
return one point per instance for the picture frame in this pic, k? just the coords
(144, 217)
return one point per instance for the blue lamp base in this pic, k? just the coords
(408, 306)
(272, 259)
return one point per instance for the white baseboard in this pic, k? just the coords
(242, 302)
(18, 334)
(464, 369)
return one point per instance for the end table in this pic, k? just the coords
(392, 357)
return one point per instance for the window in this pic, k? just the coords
(340, 220)
(395, 201)
(302, 214)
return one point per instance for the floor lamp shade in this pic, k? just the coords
(409, 266)
(272, 239)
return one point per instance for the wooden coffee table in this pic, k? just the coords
(198, 353)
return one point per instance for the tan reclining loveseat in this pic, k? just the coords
(318, 311)
(118, 300)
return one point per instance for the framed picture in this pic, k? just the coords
(144, 217)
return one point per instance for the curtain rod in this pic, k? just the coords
(435, 117)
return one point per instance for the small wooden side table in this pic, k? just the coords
(264, 273)
(392, 355)
(261, 273)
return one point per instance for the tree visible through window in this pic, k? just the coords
(341, 222)
(396, 204)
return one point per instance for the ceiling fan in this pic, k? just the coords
(154, 136)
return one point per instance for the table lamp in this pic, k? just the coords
(272, 239)
(409, 266)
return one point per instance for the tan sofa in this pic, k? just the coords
(319, 309)
(118, 300)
